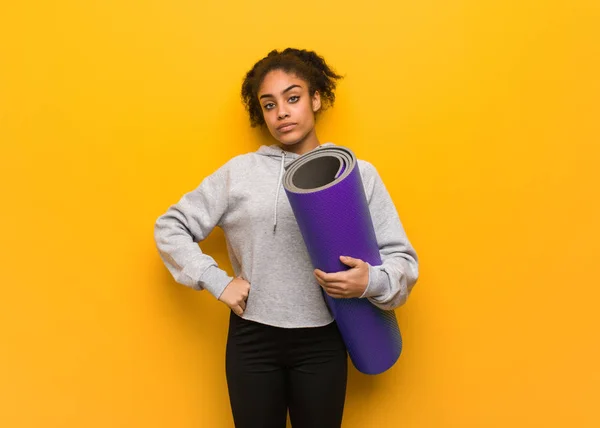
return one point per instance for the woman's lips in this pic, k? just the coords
(287, 128)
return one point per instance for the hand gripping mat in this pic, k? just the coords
(327, 196)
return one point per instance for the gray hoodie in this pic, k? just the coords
(245, 197)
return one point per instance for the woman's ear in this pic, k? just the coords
(316, 101)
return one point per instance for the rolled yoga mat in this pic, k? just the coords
(327, 196)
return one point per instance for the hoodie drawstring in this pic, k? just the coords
(278, 189)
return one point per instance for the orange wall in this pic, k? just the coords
(482, 118)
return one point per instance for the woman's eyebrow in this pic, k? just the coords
(282, 92)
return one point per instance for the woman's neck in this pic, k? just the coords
(305, 145)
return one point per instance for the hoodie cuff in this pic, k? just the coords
(215, 280)
(378, 284)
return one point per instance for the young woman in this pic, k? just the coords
(284, 350)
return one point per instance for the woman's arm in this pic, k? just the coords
(390, 283)
(189, 221)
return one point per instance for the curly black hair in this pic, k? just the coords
(306, 65)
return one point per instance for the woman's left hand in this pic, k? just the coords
(345, 284)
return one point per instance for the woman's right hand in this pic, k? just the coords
(236, 294)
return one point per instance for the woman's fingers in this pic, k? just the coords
(336, 290)
(330, 285)
(334, 293)
(238, 310)
(330, 277)
(345, 284)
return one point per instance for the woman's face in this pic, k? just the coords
(288, 109)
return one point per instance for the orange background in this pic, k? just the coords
(481, 117)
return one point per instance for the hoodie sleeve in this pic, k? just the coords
(178, 231)
(390, 283)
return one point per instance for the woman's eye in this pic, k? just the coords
(294, 98)
(269, 106)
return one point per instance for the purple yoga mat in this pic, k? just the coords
(327, 196)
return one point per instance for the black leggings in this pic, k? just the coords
(270, 369)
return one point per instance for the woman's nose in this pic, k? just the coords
(282, 113)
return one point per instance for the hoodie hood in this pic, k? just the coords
(276, 152)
